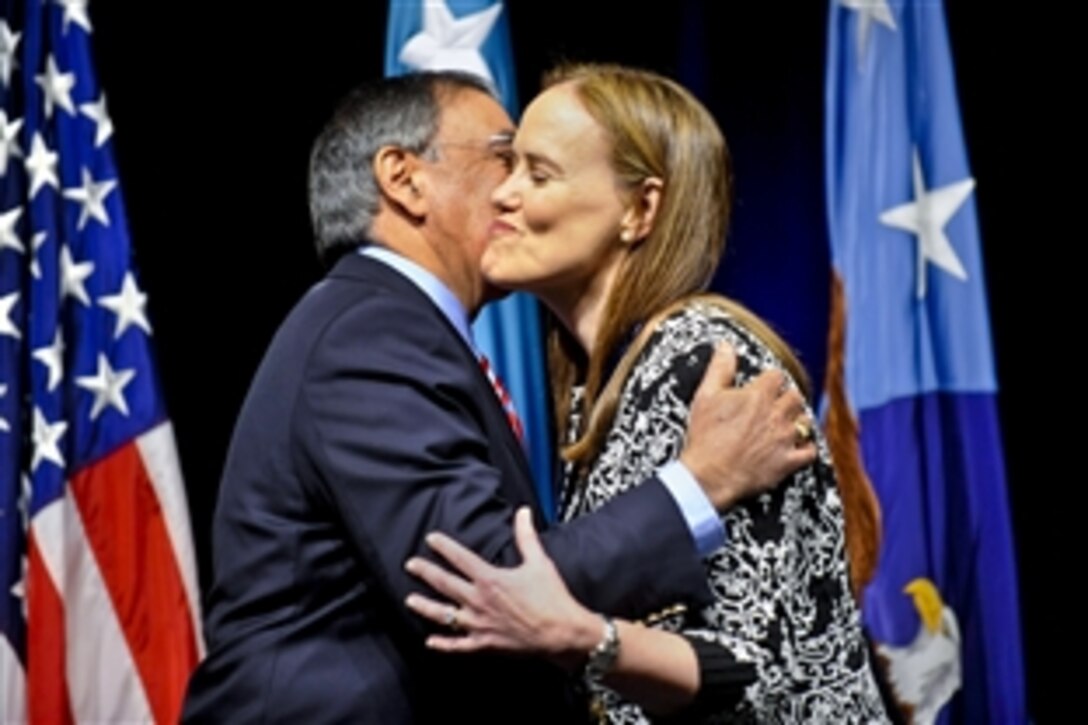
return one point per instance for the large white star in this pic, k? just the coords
(53, 359)
(46, 437)
(72, 275)
(9, 41)
(128, 305)
(9, 140)
(108, 387)
(56, 88)
(448, 43)
(75, 11)
(7, 304)
(36, 243)
(92, 195)
(97, 112)
(41, 164)
(4, 425)
(9, 239)
(926, 217)
(868, 11)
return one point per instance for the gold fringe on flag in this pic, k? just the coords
(861, 508)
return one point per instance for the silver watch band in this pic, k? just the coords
(603, 656)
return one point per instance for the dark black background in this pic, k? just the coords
(215, 107)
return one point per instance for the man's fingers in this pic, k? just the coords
(804, 455)
(525, 534)
(797, 457)
(771, 382)
(789, 406)
(795, 423)
(722, 368)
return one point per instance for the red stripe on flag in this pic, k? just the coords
(127, 533)
(47, 682)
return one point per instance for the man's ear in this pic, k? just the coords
(397, 173)
(641, 214)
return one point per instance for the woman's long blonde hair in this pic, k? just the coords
(657, 129)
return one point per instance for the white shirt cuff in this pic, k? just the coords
(706, 527)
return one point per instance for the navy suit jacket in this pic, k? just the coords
(369, 424)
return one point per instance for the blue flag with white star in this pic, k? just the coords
(99, 612)
(919, 372)
(473, 35)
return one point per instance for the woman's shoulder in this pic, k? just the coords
(687, 336)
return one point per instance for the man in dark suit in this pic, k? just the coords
(370, 423)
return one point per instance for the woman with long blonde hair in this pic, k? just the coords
(615, 216)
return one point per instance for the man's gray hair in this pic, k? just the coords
(403, 111)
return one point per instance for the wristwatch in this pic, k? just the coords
(603, 656)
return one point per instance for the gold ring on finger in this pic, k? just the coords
(802, 430)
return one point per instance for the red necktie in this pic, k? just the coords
(504, 398)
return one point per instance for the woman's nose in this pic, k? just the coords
(505, 196)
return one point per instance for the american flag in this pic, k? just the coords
(98, 599)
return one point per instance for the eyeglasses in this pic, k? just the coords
(499, 147)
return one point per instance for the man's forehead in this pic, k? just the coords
(478, 114)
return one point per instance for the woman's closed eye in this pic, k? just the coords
(539, 176)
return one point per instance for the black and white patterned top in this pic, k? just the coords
(781, 587)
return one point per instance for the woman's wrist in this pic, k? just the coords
(602, 658)
(582, 636)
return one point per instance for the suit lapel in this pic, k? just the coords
(509, 457)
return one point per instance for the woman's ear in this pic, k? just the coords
(397, 173)
(639, 220)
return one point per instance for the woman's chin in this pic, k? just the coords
(504, 280)
(500, 272)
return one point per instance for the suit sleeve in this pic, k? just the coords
(390, 425)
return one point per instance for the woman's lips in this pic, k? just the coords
(500, 228)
